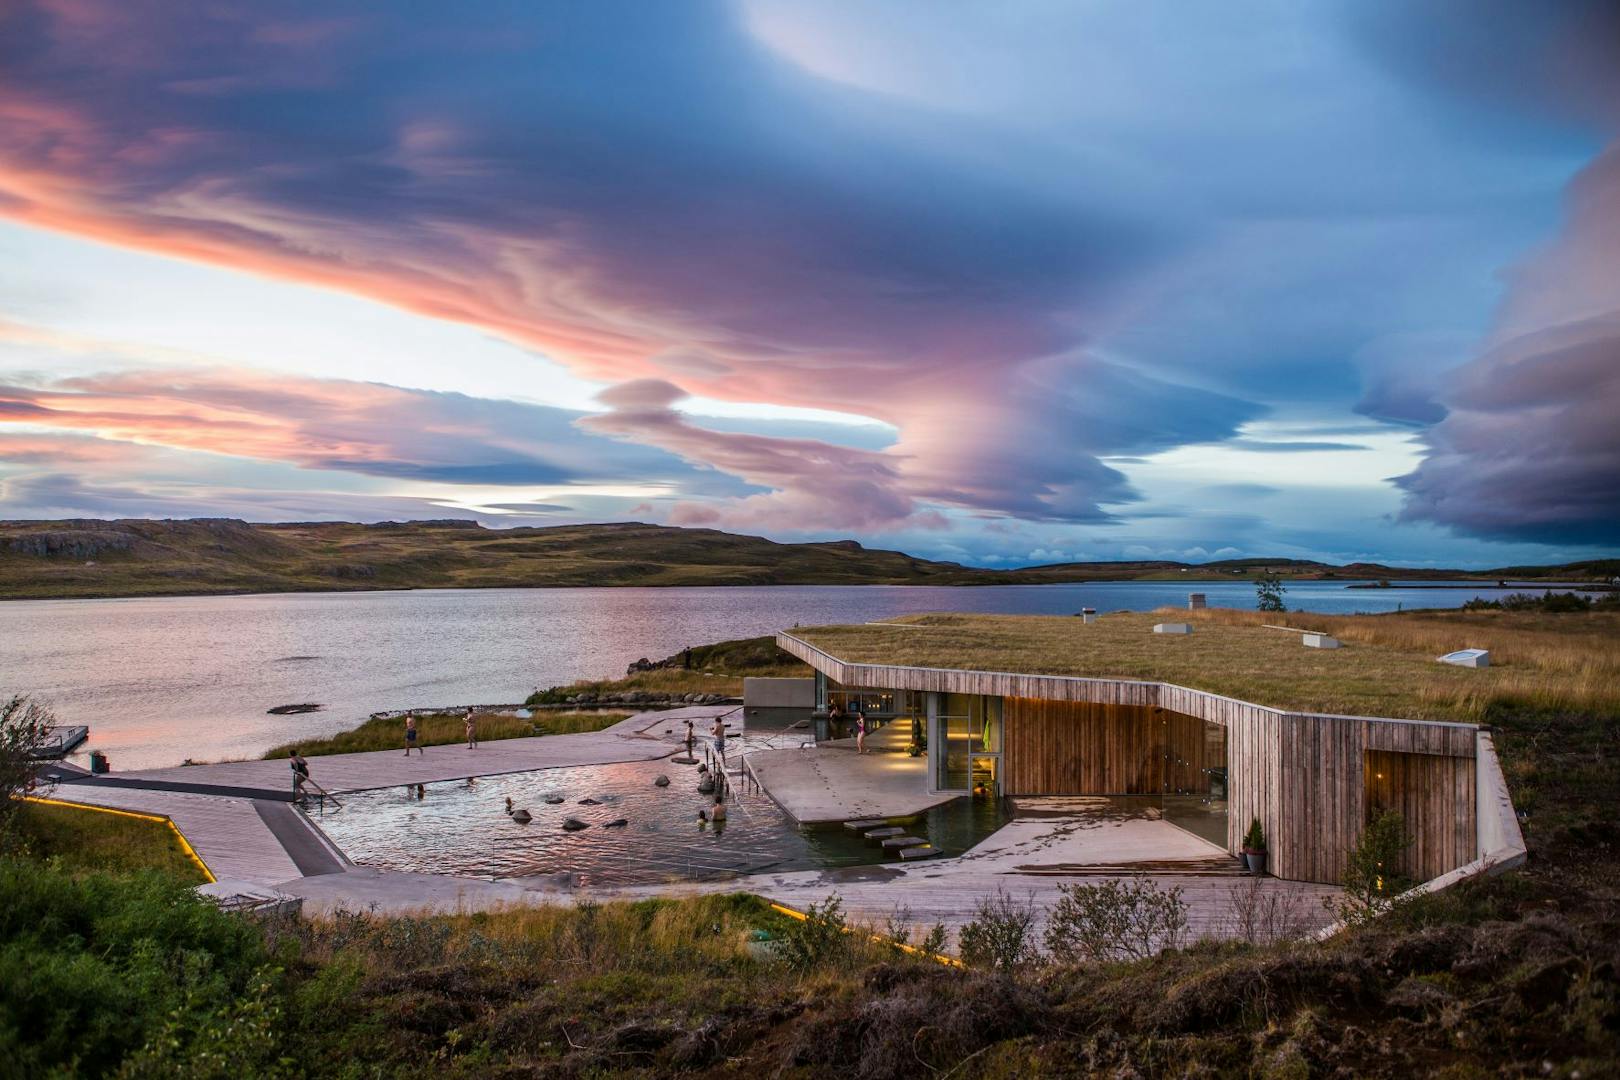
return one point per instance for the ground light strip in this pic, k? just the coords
(185, 845)
(948, 961)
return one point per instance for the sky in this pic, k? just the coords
(999, 283)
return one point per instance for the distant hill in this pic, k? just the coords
(137, 557)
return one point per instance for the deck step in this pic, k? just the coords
(874, 836)
(864, 824)
(1155, 868)
(896, 843)
(921, 851)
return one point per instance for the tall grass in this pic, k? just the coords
(441, 729)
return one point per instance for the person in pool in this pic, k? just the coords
(410, 737)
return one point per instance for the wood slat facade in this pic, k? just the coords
(1079, 748)
(1436, 797)
(1303, 775)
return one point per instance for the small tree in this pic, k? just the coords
(1268, 592)
(25, 724)
(1372, 879)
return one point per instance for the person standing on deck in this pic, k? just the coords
(472, 730)
(410, 737)
(860, 732)
(300, 773)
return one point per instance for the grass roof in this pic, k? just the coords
(1387, 666)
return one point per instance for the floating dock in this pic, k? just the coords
(61, 741)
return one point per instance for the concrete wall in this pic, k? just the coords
(779, 693)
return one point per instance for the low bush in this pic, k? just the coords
(1001, 934)
(1115, 920)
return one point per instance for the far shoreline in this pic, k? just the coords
(1348, 583)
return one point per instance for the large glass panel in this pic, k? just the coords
(955, 753)
(1195, 780)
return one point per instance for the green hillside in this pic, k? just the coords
(88, 557)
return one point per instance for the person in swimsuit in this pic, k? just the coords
(410, 736)
(300, 773)
(720, 738)
(860, 733)
(472, 730)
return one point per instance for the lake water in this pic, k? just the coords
(163, 679)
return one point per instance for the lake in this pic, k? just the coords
(167, 678)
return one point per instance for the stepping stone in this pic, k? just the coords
(896, 843)
(684, 760)
(922, 851)
(863, 825)
(874, 836)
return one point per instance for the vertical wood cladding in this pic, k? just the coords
(1079, 748)
(1436, 797)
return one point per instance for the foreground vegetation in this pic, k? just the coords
(442, 729)
(140, 557)
(1558, 663)
(127, 973)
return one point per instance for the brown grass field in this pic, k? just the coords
(1387, 667)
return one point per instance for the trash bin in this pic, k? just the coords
(98, 762)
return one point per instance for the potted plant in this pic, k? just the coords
(1254, 848)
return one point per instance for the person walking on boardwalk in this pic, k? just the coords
(472, 730)
(860, 732)
(300, 773)
(720, 738)
(410, 737)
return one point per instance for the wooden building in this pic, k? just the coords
(1210, 763)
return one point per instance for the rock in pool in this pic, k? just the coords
(293, 710)
(573, 824)
(662, 781)
(553, 800)
(588, 801)
(521, 816)
(619, 824)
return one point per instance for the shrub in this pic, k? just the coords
(1115, 920)
(24, 725)
(1000, 935)
(1255, 838)
(1372, 880)
(821, 938)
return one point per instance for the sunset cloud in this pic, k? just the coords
(1047, 249)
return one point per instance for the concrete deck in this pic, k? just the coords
(831, 783)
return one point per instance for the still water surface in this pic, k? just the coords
(163, 679)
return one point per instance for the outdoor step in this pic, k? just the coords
(895, 843)
(864, 824)
(921, 851)
(873, 836)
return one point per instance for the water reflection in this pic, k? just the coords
(462, 828)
